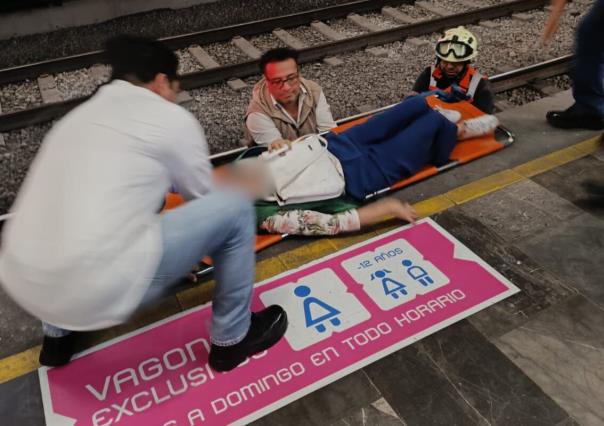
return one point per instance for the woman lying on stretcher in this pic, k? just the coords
(371, 156)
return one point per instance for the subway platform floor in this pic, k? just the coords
(536, 358)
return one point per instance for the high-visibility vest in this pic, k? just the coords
(468, 83)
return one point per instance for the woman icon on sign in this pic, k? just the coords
(316, 306)
(390, 286)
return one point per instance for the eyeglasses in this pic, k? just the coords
(459, 50)
(280, 82)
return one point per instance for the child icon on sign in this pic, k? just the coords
(390, 286)
(312, 304)
(418, 273)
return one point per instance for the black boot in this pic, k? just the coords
(266, 329)
(57, 351)
(575, 118)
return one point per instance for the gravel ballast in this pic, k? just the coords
(346, 27)
(186, 62)
(19, 96)
(266, 42)
(15, 158)
(225, 53)
(381, 21)
(415, 12)
(75, 83)
(308, 35)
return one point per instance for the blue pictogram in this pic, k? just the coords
(391, 287)
(327, 312)
(418, 273)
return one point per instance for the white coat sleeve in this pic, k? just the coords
(186, 156)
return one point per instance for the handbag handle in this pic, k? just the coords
(260, 148)
(263, 148)
(321, 139)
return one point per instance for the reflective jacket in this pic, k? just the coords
(468, 82)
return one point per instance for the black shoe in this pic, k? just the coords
(573, 118)
(266, 329)
(57, 351)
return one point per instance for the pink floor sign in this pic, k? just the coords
(345, 311)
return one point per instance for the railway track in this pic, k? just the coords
(70, 63)
(214, 73)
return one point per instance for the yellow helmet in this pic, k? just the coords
(457, 45)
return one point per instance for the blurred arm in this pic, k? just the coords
(552, 21)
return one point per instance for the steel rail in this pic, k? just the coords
(83, 60)
(40, 114)
(523, 76)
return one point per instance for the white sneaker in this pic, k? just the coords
(479, 126)
(451, 115)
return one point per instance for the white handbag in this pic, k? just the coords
(307, 172)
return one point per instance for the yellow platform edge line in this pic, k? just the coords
(591, 145)
(19, 364)
(483, 186)
(433, 205)
(25, 362)
(548, 162)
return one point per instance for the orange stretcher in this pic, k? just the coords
(464, 152)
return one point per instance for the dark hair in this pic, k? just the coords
(140, 58)
(277, 55)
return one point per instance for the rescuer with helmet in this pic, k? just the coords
(453, 75)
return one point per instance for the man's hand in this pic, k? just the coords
(278, 144)
(552, 21)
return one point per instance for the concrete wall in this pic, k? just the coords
(80, 12)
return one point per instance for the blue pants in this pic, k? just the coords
(221, 224)
(392, 145)
(588, 78)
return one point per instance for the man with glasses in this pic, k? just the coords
(453, 73)
(285, 105)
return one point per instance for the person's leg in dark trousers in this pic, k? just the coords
(351, 146)
(588, 79)
(387, 124)
(425, 137)
(427, 140)
(588, 75)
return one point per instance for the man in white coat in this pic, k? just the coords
(87, 246)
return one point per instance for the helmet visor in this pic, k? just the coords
(458, 50)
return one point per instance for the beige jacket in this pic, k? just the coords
(307, 121)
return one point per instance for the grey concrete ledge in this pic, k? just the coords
(80, 12)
